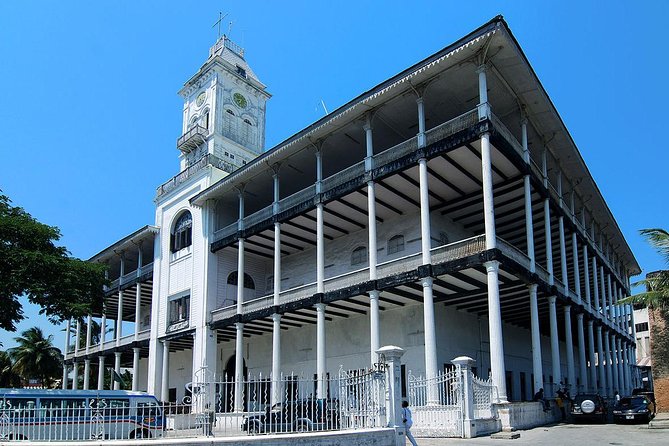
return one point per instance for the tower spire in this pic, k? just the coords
(221, 16)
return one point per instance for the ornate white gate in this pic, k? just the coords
(437, 404)
(362, 397)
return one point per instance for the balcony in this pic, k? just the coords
(131, 276)
(192, 139)
(441, 254)
(207, 160)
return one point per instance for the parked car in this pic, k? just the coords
(589, 407)
(633, 408)
(295, 416)
(648, 394)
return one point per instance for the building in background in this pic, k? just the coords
(446, 210)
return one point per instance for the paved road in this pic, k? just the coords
(567, 435)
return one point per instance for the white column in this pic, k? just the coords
(604, 299)
(563, 255)
(77, 338)
(555, 342)
(239, 368)
(621, 371)
(87, 373)
(582, 369)
(537, 366)
(374, 335)
(75, 375)
(64, 382)
(276, 318)
(586, 274)
(628, 369)
(138, 311)
(609, 368)
(276, 358)
(600, 362)
(497, 367)
(529, 221)
(431, 368)
(240, 276)
(421, 122)
(488, 204)
(117, 369)
(165, 382)
(119, 318)
(101, 372)
(369, 143)
(425, 227)
(68, 334)
(321, 390)
(577, 270)
(89, 322)
(569, 342)
(547, 223)
(320, 250)
(135, 368)
(612, 298)
(591, 348)
(374, 338)
(483, 106)
(103, 331)
(595, 285)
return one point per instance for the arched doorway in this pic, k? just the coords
(226, 390)
(230, 297)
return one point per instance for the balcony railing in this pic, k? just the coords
(342, 177)
(129, 277)
(452, 251)
(207, 160)
(192, 139)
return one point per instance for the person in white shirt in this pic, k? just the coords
(408, 422)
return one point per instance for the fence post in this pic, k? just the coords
(391, 355)
(464, 365)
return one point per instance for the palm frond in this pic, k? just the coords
(658, 239)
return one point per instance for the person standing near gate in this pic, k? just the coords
(408, 422)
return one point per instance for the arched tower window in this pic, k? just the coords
(359, 255)
(182, 235)
(248, 280)
(396, 244)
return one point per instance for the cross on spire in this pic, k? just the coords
(221, 16)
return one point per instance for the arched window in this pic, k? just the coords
(182, 235)
(193, 122)
(396, 244)
(248, 280)
(359, 255)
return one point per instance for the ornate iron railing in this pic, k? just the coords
(207, 160)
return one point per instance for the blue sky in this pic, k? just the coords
(90, 114)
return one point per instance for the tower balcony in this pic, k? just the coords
(192, 139)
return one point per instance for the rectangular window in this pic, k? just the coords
(643, 326)
(179, 309)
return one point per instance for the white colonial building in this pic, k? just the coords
(446, 210)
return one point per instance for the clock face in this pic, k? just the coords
(200, 99)
(240, 100)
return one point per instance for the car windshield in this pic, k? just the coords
(633, 402)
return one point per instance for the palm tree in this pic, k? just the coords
(35, 357)
(656, 297)
(7, 376)
(656, 284)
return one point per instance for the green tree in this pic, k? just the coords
(35, 357)
(32, 265)
(656, 284)
(8, 378)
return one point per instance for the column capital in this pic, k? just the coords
(532, 287)
(491, 266)
(276, 317)
(419, 100)
(239, 325)
(482, 68)
(320, 307)
(551, 300)
(579, 316)
(374, 294)
(427, 282)
(567, 309)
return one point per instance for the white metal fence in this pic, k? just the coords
(439, 403)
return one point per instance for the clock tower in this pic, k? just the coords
(224, 109)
